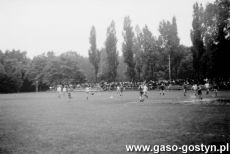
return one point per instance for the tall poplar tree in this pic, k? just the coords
(94, 54)
(112, 53)
(127, 48)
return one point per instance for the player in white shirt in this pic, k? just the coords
(64, 90)
(194, 88)
(207, 87)
(145, 90)
(119, 90)
(87, 89)
(59, 90)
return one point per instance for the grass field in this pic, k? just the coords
(42, 123)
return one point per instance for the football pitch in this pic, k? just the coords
(42, 123)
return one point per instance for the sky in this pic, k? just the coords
(38, 26)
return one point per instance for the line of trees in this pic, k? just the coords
(144, 55)
(20, 74)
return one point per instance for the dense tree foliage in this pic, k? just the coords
(170, 42)
(13, 71)
(50, 70)
(138, 54)
(111, 53)
(197, 40)
(127, 48)
(20, 74)
(211, 39)
(150, 54)
(94, 54)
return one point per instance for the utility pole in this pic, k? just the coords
(169, 68)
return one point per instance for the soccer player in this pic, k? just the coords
(119, 90)
(87, 90)
(122, 89)
(59, 89)
(185, 88)
(162, 88)
(215, 89)
(69, 92)
(64, 90)
(199, 91)
(141, 93)
(207, 87)
(145, 90)
(194, 88)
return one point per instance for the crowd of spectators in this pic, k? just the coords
(170, 85)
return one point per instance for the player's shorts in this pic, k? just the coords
(199, 92)
(141, 93)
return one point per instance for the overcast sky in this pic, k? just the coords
(38, 26)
